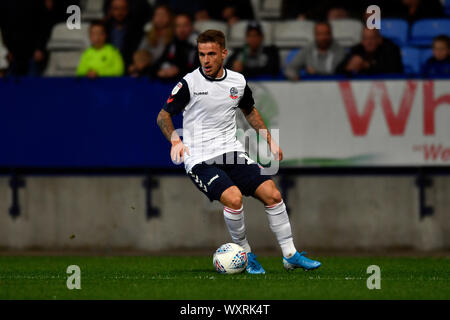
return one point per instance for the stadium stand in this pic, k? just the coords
(65, 48)
(425, 54)
(423, 31)
(3, 53)
(237, 33)
(410, 58)
(288, 35)
(64, 39)
(446, 4)
(63, 63)
(286, 56)
(267, 9)
(396, 30)
(293, 33)
(201, 26)
(91, 10)
(347, 32)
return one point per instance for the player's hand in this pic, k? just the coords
(276, 151)
(177, 151)
(92, 74)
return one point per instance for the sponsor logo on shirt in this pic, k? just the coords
(200, 93)
(176, 88)
(174, 91)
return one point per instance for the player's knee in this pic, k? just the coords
(232, 198)
(274, 197)
(235, 202)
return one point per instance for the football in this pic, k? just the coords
(230, 258)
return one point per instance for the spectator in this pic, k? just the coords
(254, 59)
(123, 32)
(374, 55)
(230, 11)
(180, 56)
(413, 10)
(316, 9)
(26, 27)
(161, 33)
(294, 9)
(322, 57)
(190, 7)
(139, 11)
(140, 67)
(439, 63)
(336, 13)
(101, 59)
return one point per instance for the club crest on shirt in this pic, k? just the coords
(233, 93)
(176, 88)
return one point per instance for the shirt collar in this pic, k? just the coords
(213, 79)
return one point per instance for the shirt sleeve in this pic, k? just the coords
(247, 103)
(179, 98)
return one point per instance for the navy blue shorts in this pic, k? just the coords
(213, 177)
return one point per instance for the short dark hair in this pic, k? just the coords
(212, 36)
(254, 26)
(324, 23)
(442, 38)
(97, 23)
(184, 14)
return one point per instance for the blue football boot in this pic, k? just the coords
(298, 260)
(253, 266)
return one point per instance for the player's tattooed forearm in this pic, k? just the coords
(255, 120)
(165, 123)
(257, 123)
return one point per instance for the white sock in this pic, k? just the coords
(280, 226)
(234, 220)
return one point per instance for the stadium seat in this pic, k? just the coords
(446, 4)
(267, 9)
(347, 32)
(293, 33)
(237, 33)
(395, 30)
(411, 60)
(425, 54)
(91, 9)
(201, 26)
(64, 39)
(63, 63)
(423, 31)
(3, 52)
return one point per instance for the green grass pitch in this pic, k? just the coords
(155, 277)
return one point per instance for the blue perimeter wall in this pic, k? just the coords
(84, 123)
(68, 122)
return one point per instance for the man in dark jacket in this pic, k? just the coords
(180, 56)
(123, 31)
(26, 27)
(374, 55)
(254, 59)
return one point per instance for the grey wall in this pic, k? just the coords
(369, 213)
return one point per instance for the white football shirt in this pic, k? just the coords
(209, 113)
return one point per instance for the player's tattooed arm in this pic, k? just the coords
(255, 120)
(178, 149)
(165, 123)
